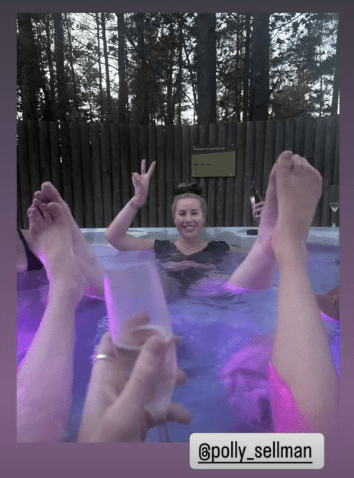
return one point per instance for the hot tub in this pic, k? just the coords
(212, 331)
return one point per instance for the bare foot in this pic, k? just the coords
(268, 218)
(52, 240)
(299, 188)
(93, 270)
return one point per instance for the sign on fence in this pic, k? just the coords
(213, 161)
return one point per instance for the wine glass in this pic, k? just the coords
(334, 201)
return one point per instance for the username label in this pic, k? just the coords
(226, 451)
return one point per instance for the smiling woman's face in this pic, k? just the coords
(189, 218)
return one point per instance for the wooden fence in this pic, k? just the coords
(92, 164)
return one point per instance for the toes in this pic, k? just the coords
(37, 202)
(50, 192)
(36, 214)
(45, 212)
(35, 223)
(285, 159)
(39, 197)
(55, 210)
(300, 163)
(29, 210)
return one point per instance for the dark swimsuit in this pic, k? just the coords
(213, 253)
(33, 263)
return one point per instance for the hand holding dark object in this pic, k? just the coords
(256, 211)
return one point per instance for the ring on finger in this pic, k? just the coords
(103, 357)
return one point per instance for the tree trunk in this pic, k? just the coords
(238, 100)
(335, 95)
(122, 92)
(51, 69)
(142, 94)
(27, 67)
(62, 100)
(246, 74)
(260, 67)
(99, 65)
(105, 53)
(206, 68)
(76, 113)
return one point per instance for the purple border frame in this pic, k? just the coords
(172, 460)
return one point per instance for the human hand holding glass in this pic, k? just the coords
(130, 289)
(122, 383)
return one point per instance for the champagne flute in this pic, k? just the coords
(334, 201)
(132, 288)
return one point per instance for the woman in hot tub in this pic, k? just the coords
(190, 252)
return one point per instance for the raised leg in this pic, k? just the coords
(301, 355)
(257, 271)
(44, 381)
(93, 269)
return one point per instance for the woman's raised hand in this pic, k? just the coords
(256, 211)
(141, 183)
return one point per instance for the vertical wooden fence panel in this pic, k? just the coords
(186, 153)
(221, 199)
(96, 174)
(177, 151)
(213, 138)
(77, 173)
(269, 155)
(249, 161)
(318, 161)
(152, 198)
(142, 131)
(55, 153)
(204, 182)
(230, 182)
(116, 171)
(289, 135)
(65, 142)
(134, 165)
(161, 175)
(195, 141)
(258, 171)
(309, 140)
(328, 170)
(124, 161)
(279, 137)
(299, 144)
(23, 173)
(33, 151)
(44, 148)
(240, 173)
(87, 176)
(106, 173)
(169, 181)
